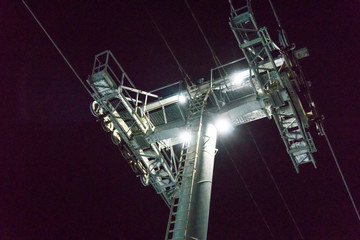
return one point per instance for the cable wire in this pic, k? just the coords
(247, 188)
(276, 185)
(57, 48)
(342, 176)
(181, 69)
(275, 15)
(218, 64)
(282, 34)
(326, 137)
(214, 56)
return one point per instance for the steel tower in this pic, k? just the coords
(168, 136)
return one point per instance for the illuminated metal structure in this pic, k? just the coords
(169, 140)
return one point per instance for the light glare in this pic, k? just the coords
(185, 136)
(182, 99)
(223, 125)
(239, 77)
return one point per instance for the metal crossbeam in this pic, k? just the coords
(286, 107)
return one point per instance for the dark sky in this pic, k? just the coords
(62, 178)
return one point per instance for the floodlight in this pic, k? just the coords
(223, 125)
(185, 136)
(182, 99)
(239, 77)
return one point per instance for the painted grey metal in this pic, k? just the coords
(147, 127)
(120, 112)
(183, 204)
(286, 108)
(199, 212)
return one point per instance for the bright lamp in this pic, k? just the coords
(239, 77)
(223, 125)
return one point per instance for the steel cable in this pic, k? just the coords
(214, 56)
(181, 69)
(326, 137)
(57, 48)
(342, 176)
(275, 183)
(248, 190)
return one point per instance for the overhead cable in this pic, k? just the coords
(275, 15)
(326, 137)
(218, 65)
(181, 69)
(248, 190)
(342, 176)
(214, 56)
(57, 48)
(275, 183)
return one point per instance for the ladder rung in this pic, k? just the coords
(250, 43)
(174, 213)
(188, 160)
(184, 154)
(186, 195)
(178, 220)
(176, 230)
(187, 167)
(297, 140)
(185, 187)
(183, 165)
(292, 129)
(182, 172)
(175, 205)
(184, 175)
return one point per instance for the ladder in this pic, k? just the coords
(181, 203)
(278, 83)
(297, 139)
(257, 48)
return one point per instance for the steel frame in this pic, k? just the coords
(115, 95)
(146, 127)
(286, 108)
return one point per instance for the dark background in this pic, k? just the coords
(62, 178)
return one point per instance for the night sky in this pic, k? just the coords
(61, 177)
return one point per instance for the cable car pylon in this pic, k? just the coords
(148, 128)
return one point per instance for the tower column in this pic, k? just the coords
(200, 201)
(199, 207)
